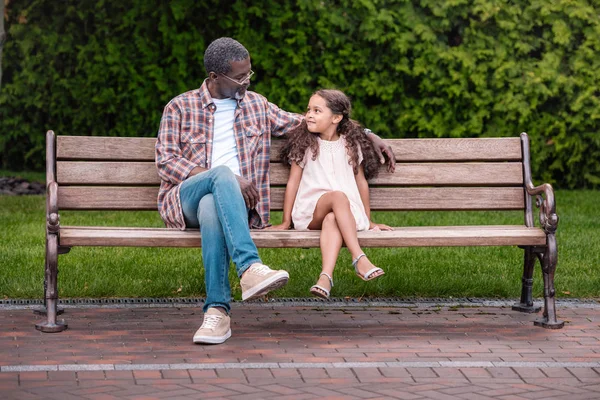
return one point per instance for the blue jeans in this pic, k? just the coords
(212, 200)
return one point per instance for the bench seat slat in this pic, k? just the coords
(144, 198)
(504, 235)
(405, 150)
(422, 174)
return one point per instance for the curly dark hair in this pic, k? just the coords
(221, 52)
(300, 138)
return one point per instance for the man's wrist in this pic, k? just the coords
(367, 131)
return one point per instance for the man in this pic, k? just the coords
(212, 154)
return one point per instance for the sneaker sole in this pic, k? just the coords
(275, 282)
(212, 339)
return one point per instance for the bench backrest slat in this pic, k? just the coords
(104, 148)
(96, 173)
(397, 198)
(405, 150)
(409, 174)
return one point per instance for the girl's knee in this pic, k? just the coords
(339, 197)
(329, 219)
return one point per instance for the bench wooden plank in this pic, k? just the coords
(105, 148)
(478, 149)
(439, 150)
(445, 199)
(107, 198)
(448, 198)
(434, 174)
(106, 173)
(504, 235)
(405, 150)
(421, 174)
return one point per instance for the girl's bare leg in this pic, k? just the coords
(337, 202)
(331, 243)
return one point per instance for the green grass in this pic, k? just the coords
(410, 272)
(31, 176)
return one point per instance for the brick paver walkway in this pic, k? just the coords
(309, 352)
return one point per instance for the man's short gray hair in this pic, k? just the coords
(221, 52)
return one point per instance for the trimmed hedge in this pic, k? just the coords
(427, 68)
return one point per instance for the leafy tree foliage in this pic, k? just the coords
(414, 68)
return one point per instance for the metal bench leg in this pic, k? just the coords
(44, 309)
(548, 259)
(526, 304)
(51, 289)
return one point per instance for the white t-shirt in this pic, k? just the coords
(224, 151)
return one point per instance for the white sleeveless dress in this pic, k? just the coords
(330, 171)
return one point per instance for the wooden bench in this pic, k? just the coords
(109, 173)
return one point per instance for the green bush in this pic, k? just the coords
(427, 68)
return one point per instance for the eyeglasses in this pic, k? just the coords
(246, 78)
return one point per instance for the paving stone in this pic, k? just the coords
(507, 373)
(33, 376)
(556, 372)
(422, 372)
(125, 375)
(62, 376)
(583, 373)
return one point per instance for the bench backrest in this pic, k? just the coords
(96, 173)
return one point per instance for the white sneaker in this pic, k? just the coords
(259, 280)
(215, 328)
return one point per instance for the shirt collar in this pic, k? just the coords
(207, 99)
(204, 95)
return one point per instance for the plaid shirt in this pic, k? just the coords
(185, 141)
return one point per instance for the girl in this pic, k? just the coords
(331, 160)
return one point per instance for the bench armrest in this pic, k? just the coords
(544, 195)
(52, 217)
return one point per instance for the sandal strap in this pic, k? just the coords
(371, 272)
(358, 258)
(320, 288)
(328, 276)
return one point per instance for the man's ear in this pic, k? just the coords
(213, 76)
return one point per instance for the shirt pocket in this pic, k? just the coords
(193, 145)
(254, 140)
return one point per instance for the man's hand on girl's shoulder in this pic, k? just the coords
(381, 148)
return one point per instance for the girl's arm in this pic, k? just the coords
(363, 189)
(290, 196)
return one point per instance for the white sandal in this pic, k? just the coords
(368, 276)
(315, 289)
